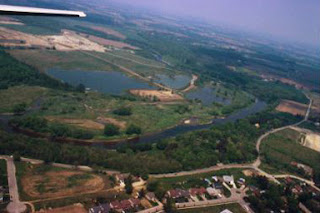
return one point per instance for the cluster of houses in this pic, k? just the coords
(298, 187)
(307, 169)
(128, 205)
(214, 190)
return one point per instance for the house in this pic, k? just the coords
(120, 179)
(151, 197)
(288, 180)
(215, 178)
(241, 181)
(213, 192)
(134, 202)
(125, 205)
(197, 191)
(218, 185)
(297, 189)
(115, 204)
(178, 193)
(226, 211)
(307, 169)
(228, 179)
(208, 181)
(103, 208)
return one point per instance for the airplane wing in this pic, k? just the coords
(17, 10)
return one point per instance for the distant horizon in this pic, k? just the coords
(286, 20)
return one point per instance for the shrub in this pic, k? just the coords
(111, 130)
(133, 129)
(123, 111)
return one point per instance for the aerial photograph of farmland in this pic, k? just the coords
(167, 106)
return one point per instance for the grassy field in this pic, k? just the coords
(57, 59)
(235, 208)
(18, 95)
(282, 148)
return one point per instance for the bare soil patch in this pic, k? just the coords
(54, 184)
(66, 209)
(161, 95)
(109, 32)
(66, 41)
(312, 141)
(105, 120)
(83, 123)
(292, 107)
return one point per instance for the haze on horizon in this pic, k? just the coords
(292, 20)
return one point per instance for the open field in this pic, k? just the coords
(57, 59)
(67, 209)
(279, 150)
(292, 107)
(235, 208)
(18, 95)
(161, 95)
(312, 141)
(109, 31)
(44, 181)
(83, 123)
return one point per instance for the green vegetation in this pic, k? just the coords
(111, 130)
(77, 179)
(279, 150)
(133, 129)
(14, 72)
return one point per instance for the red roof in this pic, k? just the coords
(135, 201)
(197, 191)
(125, 204)
(115, 204)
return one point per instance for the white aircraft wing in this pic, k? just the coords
(17, 10)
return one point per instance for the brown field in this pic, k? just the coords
(55, 184)
(108, 42)
(87, 123)
(312, 141)
(66, 209)
(83, 123)
(162, 95)
(109, 32)
(66, 41)
(292, 107)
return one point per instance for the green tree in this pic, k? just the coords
(169, 206)
(19, 108)
(111, 130)
(133, 129)
(128, 183)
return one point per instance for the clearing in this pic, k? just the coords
(292, 107)
(83, 123)
(44, 181)
(66, 41)
(109, 31)
(161, 95)
(77, 208)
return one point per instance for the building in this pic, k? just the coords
(151, 196)
(178, 193)
(226, 211)
(103, 208)
(213, 192)
(197, 191)
(228, 179)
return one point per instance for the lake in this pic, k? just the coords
(174, 82)
(207, 96)
(110, 82)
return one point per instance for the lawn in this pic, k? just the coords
(282, 148)
(235, 208)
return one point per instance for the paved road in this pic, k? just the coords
(15, 206)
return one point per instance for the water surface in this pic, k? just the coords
(207, 96)
(110, 82)
(174, 82)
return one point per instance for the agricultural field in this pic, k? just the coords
(281, 149)
(292, 107)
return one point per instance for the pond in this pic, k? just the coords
(174, 82)
(207, 96)
(110, 82)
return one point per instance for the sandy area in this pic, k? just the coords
(78, 208)
(292, 107)
(162, 95)
(55, 184)
(312, 141)
(109, 32)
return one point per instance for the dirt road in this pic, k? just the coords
(191, 84)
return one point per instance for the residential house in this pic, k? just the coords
(297, 189)
(151, 196)
(103, 208)
(197, 191)
(213, 192)
(218, 185)
(228, 179)
(178, 193)
(226, 211)
(134, 202)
